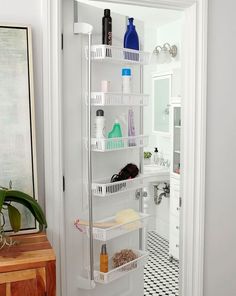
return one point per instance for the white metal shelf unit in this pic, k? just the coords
(122, 56)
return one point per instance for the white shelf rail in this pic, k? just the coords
(112, 144)
(104, 188)
(118, 99)
(116, 273)
(107, 229)
(116, 54)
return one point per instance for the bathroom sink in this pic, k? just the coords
(153, 168)
(156, 172)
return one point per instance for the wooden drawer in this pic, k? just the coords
(31, 281)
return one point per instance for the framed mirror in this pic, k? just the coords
(161, 93)
(17, 120)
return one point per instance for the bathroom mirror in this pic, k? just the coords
(161, 93)
(17, 121)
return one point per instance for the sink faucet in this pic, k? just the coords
(165, 162)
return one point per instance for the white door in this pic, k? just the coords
(104, 164)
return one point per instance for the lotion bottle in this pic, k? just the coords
(104, 259)
(131, 39)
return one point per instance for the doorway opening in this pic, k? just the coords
(159, 31)
(73, 161)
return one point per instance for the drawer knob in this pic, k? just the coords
(177, 246)
(177, 227)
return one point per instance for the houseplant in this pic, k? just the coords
(147, 157)
(9, 196)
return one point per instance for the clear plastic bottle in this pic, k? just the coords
(156, 158)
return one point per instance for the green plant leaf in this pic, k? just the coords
(30, 203)
(2, 197)
(14, 217)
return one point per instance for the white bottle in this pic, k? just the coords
(126, 81)
(100, 129)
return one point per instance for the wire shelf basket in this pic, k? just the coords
(123, 270)
(111, 144)
(118, 99)
(108, 228)
(104, 188)
(116, 54)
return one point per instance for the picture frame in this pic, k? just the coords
(18, 160)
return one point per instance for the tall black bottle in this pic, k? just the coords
(107, 28)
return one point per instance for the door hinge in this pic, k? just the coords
(62, 41)
(180, 202)
(63, 184)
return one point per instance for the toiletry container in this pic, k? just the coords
(131, 41)
(131, 127)
(115, 133)
(107, 28)
(104, 259)
(100, 129)
(156, 158)
(105, 86)
(126, 80)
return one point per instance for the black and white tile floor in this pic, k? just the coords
(160, 275)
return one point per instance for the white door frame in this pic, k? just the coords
(193, 142)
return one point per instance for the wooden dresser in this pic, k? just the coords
(29, 268)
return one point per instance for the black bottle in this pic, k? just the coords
(107, 28)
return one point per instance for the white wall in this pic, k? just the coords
(220, 228)
(29, 12)
(172, 34)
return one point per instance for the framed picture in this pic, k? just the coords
(18, 167)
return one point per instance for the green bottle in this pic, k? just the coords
(115, 133)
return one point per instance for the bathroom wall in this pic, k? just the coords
(171, 33)
(30, 12)
(220, 234)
